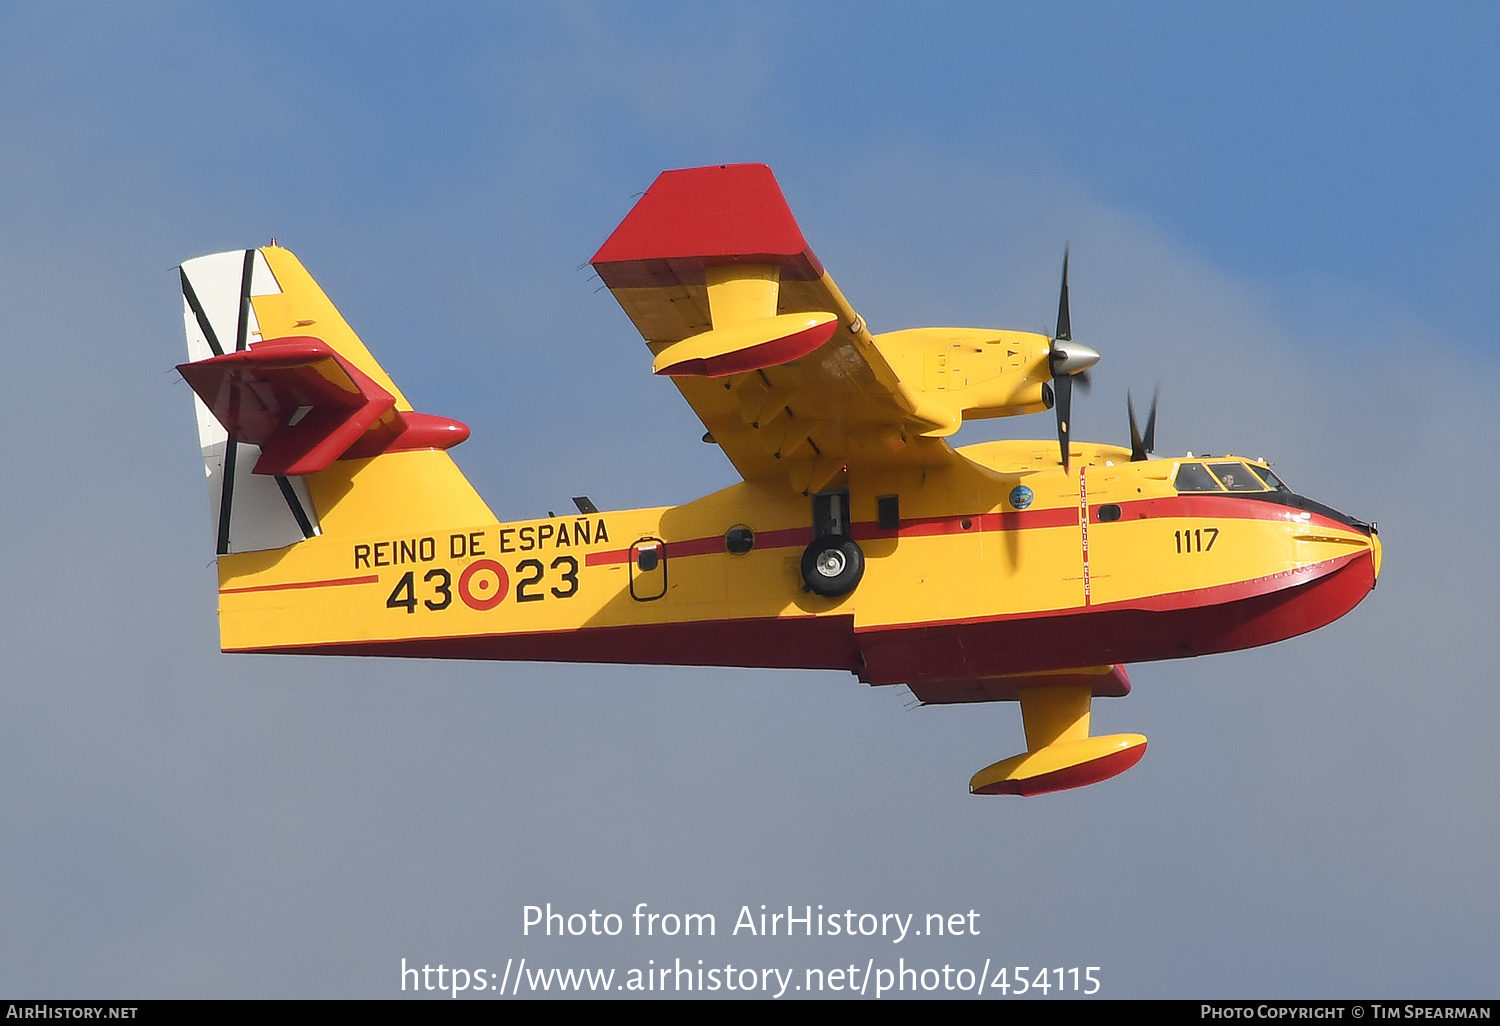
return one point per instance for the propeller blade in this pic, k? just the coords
(1064, 321)
(1140, 444)
(1151, 421)
(1137, 444)
(1062, 390)
(1067, 359)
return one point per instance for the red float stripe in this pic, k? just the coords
(767, 354)
(1090, 772)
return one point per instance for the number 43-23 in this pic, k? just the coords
(529, 585)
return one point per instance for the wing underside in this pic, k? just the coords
(707, 252)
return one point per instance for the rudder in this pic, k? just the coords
(249, 512)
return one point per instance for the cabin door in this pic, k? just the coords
(648, 569)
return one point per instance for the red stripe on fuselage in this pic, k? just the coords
(922, 527)
(1206, 507)
(334, 583)
(783, 539)
(1010, 520)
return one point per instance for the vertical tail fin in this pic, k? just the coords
(284, 390)
(249, 512)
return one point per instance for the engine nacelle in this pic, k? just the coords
(968, 373)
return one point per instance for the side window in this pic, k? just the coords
(1194, 477)
(739, 540)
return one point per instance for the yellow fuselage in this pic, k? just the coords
(964, 586)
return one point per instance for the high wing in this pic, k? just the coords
(713, 270)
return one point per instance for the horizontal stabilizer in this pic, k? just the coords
(306, 406)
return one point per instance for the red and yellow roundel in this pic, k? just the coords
(483, 584)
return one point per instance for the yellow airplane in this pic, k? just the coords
(858, 539)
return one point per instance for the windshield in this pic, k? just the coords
(1271, 480)
(1236, 477)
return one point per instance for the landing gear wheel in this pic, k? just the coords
(832, 565)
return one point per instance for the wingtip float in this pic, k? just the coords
(859, 539)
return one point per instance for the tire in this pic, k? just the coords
(832, 565)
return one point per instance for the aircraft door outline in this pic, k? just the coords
(648, 569)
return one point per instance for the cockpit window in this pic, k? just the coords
(1236, 477)
(1193, 477)
(1271, 480)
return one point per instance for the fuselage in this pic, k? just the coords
(858, 538)
(999, 565)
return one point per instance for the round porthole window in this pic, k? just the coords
(739, 539)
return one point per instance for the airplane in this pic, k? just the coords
(858, 538)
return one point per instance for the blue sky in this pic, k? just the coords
(1282, 141)
(1285, 214)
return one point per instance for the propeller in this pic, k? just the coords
(1140, 444)
(1066, 359)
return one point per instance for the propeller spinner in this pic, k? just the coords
(1067, 360)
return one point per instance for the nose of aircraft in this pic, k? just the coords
(1375, 551)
